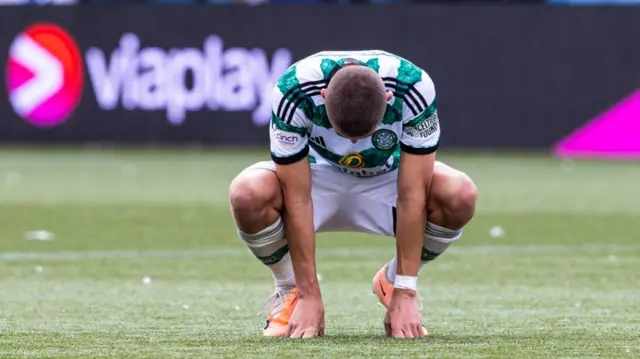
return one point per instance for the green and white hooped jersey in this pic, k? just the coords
(299, 124)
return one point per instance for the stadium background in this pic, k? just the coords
(115, 233)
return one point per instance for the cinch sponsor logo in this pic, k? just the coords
(291, 139)
(287, 139)
(44, 75)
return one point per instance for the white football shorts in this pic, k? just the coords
(345, 203)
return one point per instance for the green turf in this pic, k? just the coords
(563, 282)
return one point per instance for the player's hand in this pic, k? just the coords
(403, 319)
(307, 319)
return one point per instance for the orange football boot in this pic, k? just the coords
(282, 302)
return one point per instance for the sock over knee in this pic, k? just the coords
(270, 247)
(436, 240)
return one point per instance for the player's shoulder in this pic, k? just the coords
(304, 73)
(408, 82)
(395, 68)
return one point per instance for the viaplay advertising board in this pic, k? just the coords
(45, 77)
(506, 77)
(67, 81)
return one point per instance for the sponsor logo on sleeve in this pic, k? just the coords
(286, 138)
(427, 128)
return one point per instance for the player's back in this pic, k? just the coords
(300, 117)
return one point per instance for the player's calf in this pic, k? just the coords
(256, 201)
(452, 199)
(450, 206)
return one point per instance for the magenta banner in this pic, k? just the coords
(615, 133)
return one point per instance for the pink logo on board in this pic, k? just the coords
(44, 75)
(615, 133)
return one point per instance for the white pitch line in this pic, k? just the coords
(212, 253)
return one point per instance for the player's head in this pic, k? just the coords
(355, 101)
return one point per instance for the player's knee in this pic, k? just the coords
(250, 193)
(243, 196)
(462, 204)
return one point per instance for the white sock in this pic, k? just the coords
(436, 240)
(270, 247)
(392, 268)
(283, 272)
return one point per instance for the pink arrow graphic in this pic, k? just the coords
(47, 75)
(614, 134)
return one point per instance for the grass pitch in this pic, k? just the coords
(144, 263)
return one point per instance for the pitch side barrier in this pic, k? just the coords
(506, 76)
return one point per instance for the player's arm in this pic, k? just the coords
(295, 179)
(289, 150)
(419, 142)
(414, 181)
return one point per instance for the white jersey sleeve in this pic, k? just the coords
(289, 129)
(420, 125)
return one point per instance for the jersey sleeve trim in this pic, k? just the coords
(281, 125)
(295, 98)
(290, 159)
(408, 93)
(422, 116)
(421, 134)
(419, 151)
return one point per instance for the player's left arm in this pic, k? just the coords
(419, 142)
(414, 181)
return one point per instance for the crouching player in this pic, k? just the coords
(353, 142)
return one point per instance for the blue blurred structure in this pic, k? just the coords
(251, 2)
(342, 2)
(594, 2)
(260, 2)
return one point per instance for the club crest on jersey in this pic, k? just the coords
(384, 139)
(352, 160)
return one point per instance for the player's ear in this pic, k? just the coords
(389, 95)
(323, 93)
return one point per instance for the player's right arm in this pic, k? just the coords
(295, 180)
(289, 151)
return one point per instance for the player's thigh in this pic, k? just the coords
(327, 183)
(255, 187)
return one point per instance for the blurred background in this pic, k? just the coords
(122, 123)
(509, 74)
